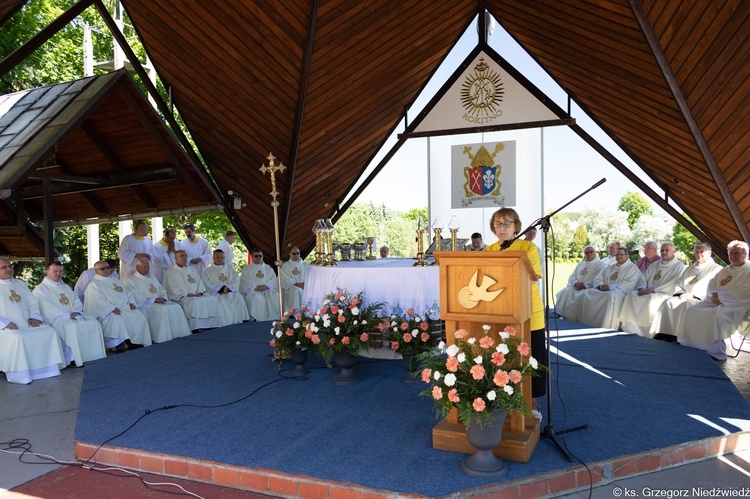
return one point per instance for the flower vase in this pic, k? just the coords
(410, 364)
(483, 463)
(299, 357)
(346, 362)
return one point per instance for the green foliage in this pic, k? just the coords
(579, 241)
(682, 238)
(211, 226)
(635, 205)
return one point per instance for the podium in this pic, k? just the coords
(468, 300)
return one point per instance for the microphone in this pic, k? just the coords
(598, 183)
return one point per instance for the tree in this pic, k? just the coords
(682, 238)
(635, 205)
(650, 228)
(561, 235)
(579, 241)
(604, 225)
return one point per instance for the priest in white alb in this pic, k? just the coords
(258, 284)
(184, 286)
(601, 304)
(223, 282)
(293, 273)
(611, 257)
(691, 290)
(111, 303)
(166, 319)
(197, 249)
(225, 245)
(641, 304)
(164, 250)
(568, 300)
(134, 247)
(29, 349)
(61, 308)
(725, 309)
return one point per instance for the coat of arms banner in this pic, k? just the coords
(483, 175)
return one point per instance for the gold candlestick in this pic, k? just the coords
(453, 226)
(328, 232)
(370, 243)
(420, 248)
(438, 242)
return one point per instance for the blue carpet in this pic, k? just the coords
(378, 433)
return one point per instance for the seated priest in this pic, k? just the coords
(691, 290)
(293, 273)
(258, 284)
(568, 300)
(87, 276)
(61, 307)
(611, 257)
(641, 304)
(111, 303)
(29, 350)
(601, 303)
(166, 320)
(185, 287)
(725, 308)
(223, 282)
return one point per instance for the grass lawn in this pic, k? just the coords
(561, 272)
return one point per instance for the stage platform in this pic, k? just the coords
(214, 408)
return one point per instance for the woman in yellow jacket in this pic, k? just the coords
(505, 224)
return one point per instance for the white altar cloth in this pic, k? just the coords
(393, 281)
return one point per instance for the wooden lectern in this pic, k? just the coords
(467, 301)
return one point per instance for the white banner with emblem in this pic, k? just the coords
(483, 175)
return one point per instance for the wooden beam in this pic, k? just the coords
(90, 198)
(299, 115)
(114, 160)
(492, 128)
(125, 179)
(48, 231)
(666, 69)
(148, 124)
(38, 40)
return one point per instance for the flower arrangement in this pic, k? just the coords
(295, 329)
(410, 334)
(346, 322)
(478, 376)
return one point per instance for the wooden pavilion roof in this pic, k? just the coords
(321, 84)
(103, 152)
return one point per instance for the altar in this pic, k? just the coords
(393, 281)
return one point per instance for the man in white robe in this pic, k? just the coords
(293, 273)
(569, 299)
(184, 286)
(164, 250)
(108, 299)
(601, 304)
(134, 247)
(29, 350)
(611, 257)
(225, 245)
(641, 304)
(725, 309)
(258, 284)
(197, 249)
(87, 276)
(166, 320)
(691, 290)
(223, 282)
(61, 307)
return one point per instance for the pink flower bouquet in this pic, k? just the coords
(295, 329)
(478, 375)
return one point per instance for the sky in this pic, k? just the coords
(570, 166)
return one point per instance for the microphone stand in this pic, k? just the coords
(544, 223)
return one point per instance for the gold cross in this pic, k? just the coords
(273, 168)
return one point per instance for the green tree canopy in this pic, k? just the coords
(635, 205)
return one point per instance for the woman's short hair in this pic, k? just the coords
(506, 213)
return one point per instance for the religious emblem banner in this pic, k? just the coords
(483, 175)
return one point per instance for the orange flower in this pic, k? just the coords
(501, 378)
(342, 319)
(452, 364)
(423, 326)
(478, 404)
(424, 337)
(515, 376)
(498, 359)
(315, 339)
(510, 330)
(461, 333)
(486, 342)
(364, 337)
(404, 326)
(272, 342)
(407, 338)
(355, 300)
(453, 396)
(394, 345)
(289, 331)
(345, 340)
(477, 372)
(426, 373)
(334, 309)
(332, 341)
(437, 392)
(409, 311)
(523, 349)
